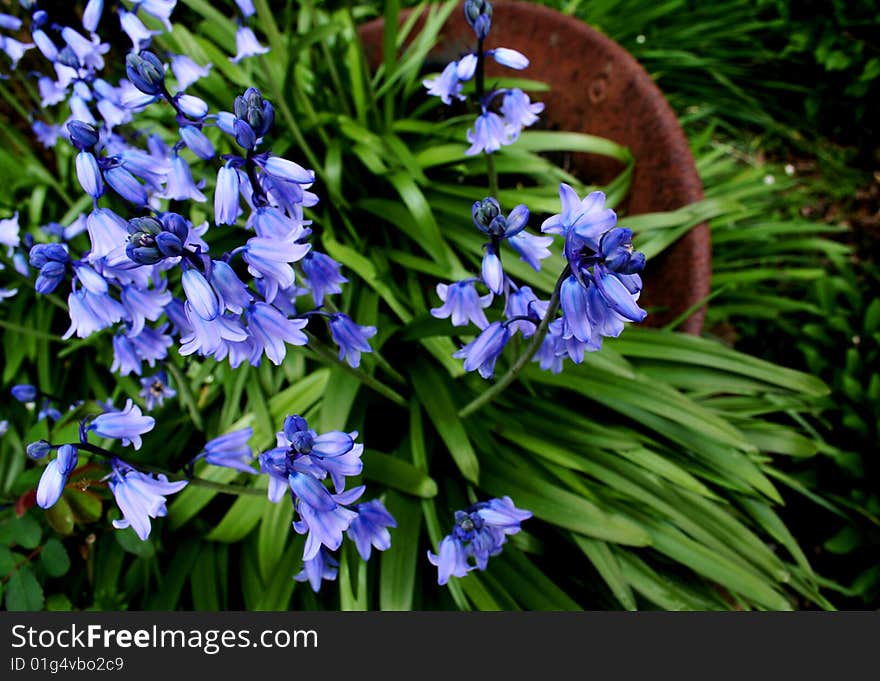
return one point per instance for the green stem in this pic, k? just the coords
(328, 356)
(515, 369)
(493, 175)
(174, 477)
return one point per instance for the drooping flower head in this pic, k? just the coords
(480, 531)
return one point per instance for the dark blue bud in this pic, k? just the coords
(51, 274)
(145, 72)
(39, 449)
(616, 247)
(176, 224)
(478, 14)
(168, 244)
(141, 248)
(144, 224)
(268, 119)
(244, 134)
(42, 253)
(484, 212)
(24, 392)
(636, 263)
(82, 135)
(68, 57)
(39, 18)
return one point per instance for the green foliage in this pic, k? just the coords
(657, 471)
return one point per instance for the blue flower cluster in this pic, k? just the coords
(597, 293)
(480, 532)
(240, 304)
(298, 466)
(493, 128)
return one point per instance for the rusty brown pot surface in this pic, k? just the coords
(597, 87)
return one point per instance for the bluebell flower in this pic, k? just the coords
(161, 9)
(90, 313)
(587, 219)
(55, 476)
(492, 272)
(186, 71)
(9, 233)
(531, 248)
(246, 45)
(45, 45)
(50, 276)
(134, 28)
(246, 7)
(370, 528)
(127, 424)
(92, 15)
(48, 411)
(9, 22)
(180, 185)
(197, 142)
(234, 294)
(144, 304)
(321, 567)
(24, 392)
(270, 259)
(480, 532)
(126, 185)
(200, 295)
(38, 450)
(350, 337)
(192, 106)
(524, 303)
(509, 58)
(14, 49)
(451, 560)
(324, 517)
(300, 450)
(226, 202)
(230, 450)
(322, 274)
(462, 303)
(146, 72)
(575, 310)
(489, 134)
(270, 329)
(489, 219)
(140, 497)
(155, 390)
(210, 337)
(51, 93)
(88, 52)
(46, 134)
(617, 295)
(288, 171)
(483, 351)
(447, 85)
(88, 174)
(478, 14)
(107, 232)
(518, 110)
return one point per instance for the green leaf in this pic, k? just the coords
(131, 543)
(432, 391)
(397, 473)
(26, 531)
(606, 565)
(241, 518)
(275, 530)
(23, 591)
(54, 558)
(398, 565)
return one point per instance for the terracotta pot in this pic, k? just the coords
(597, 87)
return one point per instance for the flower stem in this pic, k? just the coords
(196, 482)
(482, 400)
(328, 356)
